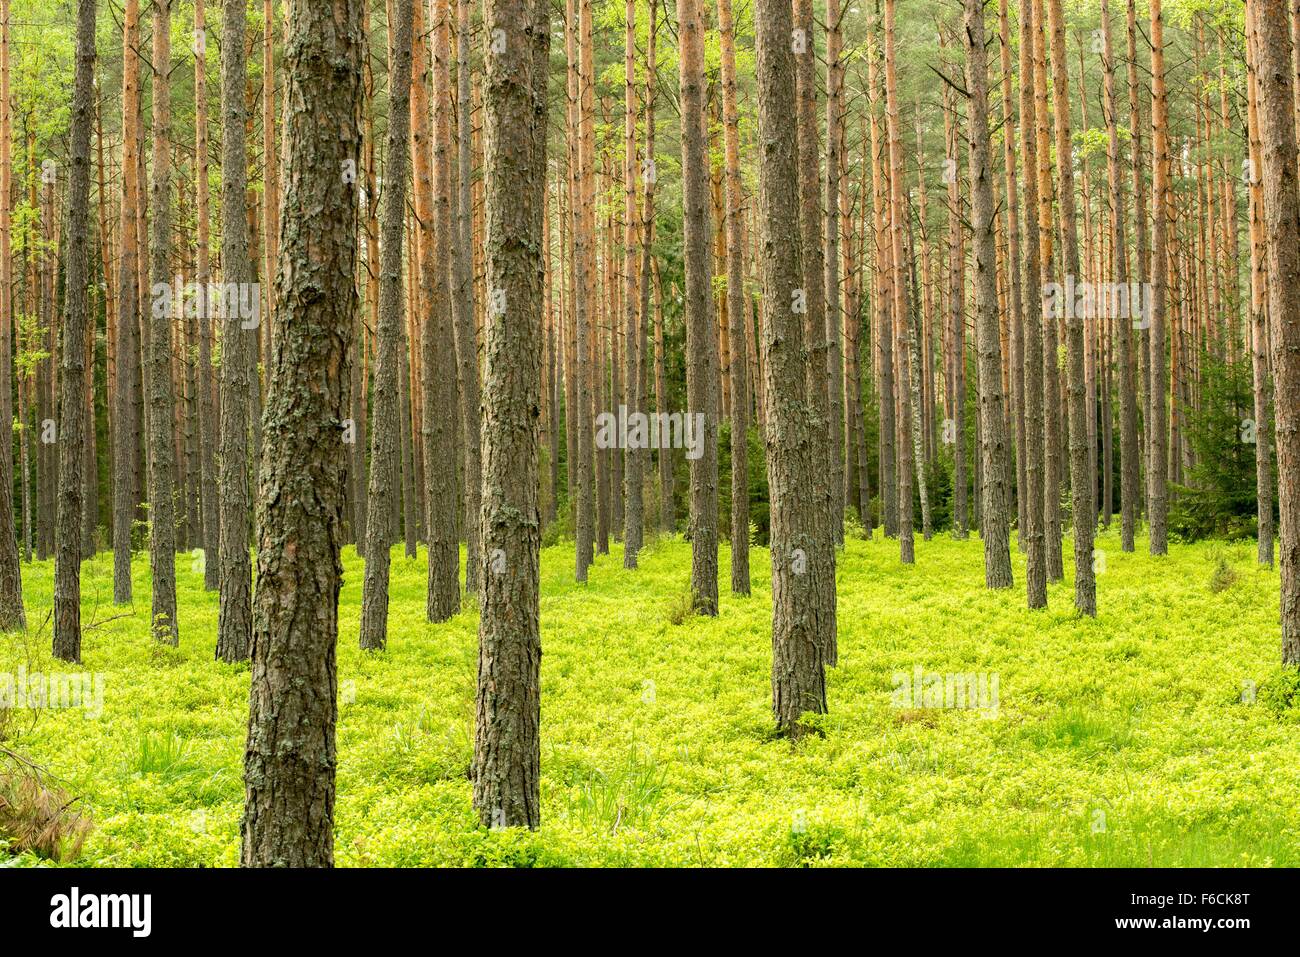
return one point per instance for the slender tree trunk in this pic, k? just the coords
(833, 293)
(72, 381)
(1082, 454)
(995, 522)
(389, 354)
(1259, 306)
(736, 309)
(701, 341)
(438, 367)
(290, 756)
(12, 616)
(126, 443)
(1035, 543)
(634, 456)
(507, 744)
(1158, 426)
(162, 478)
(585, 280)
(238, 344)
(902, 306)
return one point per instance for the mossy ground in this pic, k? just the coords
(1121, 741)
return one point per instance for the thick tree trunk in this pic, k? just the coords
(290, 756)
(798, 666)
(72, 380)
(507, 744)
(1282, 215)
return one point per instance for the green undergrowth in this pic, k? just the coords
(1162, 733)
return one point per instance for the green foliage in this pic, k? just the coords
(1219, 498)
(657, 743)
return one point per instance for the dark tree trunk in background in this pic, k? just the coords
(72, 379)
(507, 744)
(290, 756)
(126, 421)
(737, 309)
(12, 617)
(208, 426)
(633, 340)
(456, 229)
(463, 299)
(388, 353)
(235, 619)
(1158, 426)
(1128, 423)
(701, 338)
(995, 519)
(1032, 304)
(1282, 215)
(798, 665)
(162, 466)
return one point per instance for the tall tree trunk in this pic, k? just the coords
(463, 298)
(438, 366)
(901, 304)
(238, 345)
(208, 428)
(126, 441)
(389, 354)
(634, 456)
(1129, 471)
(1158, 425)
(72, 381)
(798, 667)
(736, 310)
(1282, 214)
(162, 478)
(1032, 318)
(585, 280)
(701, 340)
(507, 744)
(1259, 306)
(822, 538)
(995, 522)
(461, 243)
(1082, 455)
(290, 756)
(12, 616)
(833, 293)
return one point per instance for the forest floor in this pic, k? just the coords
(1161, 733)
